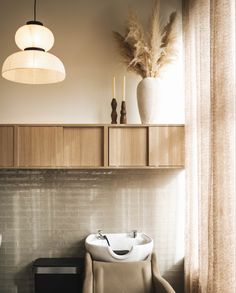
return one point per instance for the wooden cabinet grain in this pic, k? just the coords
(6, 146)
(39, 146)
(166, 146)
(92, 146)
(83, 146)
(128, 146)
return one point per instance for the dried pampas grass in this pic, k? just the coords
(147, 57)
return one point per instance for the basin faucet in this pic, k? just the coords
(134, 233)
(100, 234)
(103, 237)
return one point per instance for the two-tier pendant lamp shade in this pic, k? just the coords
(33, 64)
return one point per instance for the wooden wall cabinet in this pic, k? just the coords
(128, 146)
(166, 146)
(6, 146)
(92, 146)
(83, 146)
(39, 146)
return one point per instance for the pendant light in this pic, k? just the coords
(33, 65)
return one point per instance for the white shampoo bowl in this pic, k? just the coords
(124, 247)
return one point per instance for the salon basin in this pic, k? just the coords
(119, 247)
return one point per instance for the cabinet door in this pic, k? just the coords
(166, 146)
(128, 146)
(83, 146)
(6, 146)
(40, 146)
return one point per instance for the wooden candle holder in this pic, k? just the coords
(123, 118)
(114, 112)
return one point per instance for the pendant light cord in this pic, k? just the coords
(35, 16)
(35, 10)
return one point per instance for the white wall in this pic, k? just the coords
(83, 40)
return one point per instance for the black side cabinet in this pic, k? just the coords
(58, 275)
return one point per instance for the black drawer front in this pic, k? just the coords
(58, 283)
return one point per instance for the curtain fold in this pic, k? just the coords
(209, 40)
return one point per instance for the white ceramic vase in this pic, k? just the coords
(147, 92)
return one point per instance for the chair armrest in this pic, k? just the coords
(161, 285)
(88, 281)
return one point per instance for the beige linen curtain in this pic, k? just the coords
(209, 38)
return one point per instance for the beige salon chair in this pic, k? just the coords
(124, 277)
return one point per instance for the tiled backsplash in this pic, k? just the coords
(48, 213)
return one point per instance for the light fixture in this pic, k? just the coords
(33, 65)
